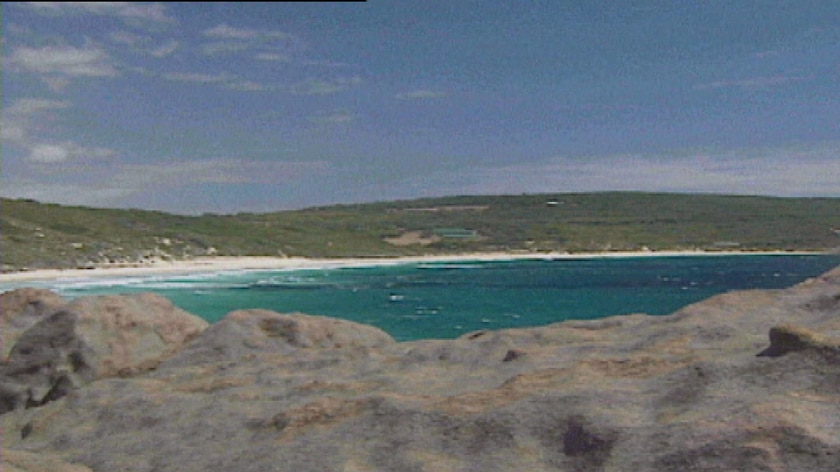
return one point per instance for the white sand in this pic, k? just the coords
(216, 264)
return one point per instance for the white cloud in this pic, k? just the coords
(152, 11)
(48, 154)
(18, 118)
(211, 171)
(223, 79)
(247, 86)
(128, 38)
(228, 32)
(419, 95)
(123, 185)
(197, 77)
(754, 83)
(44, 153)
(340, 115)
(67, 193)
(147, 11)
(165, 49)
(57, 84)
(224, 31)
(144, 44)
(13, 132)
(272, 57)
(30, 106)
(136, 178)
(785, 171)
(325, 87)
(24, 117)
(64, 60)
(224, 47)
(230, 40)
(767, 53)
(316, 87)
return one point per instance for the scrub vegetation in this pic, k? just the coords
(40, 235)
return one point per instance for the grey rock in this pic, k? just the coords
(90, 339)
(262, 391)
(22, 461)
(787, 338)
(20, 309)
(248, 332)
(45, 363)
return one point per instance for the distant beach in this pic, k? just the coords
(226, 263)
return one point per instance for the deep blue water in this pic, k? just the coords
(445, 300)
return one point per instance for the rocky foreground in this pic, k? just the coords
(742, 381)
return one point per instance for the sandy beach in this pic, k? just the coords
(221, 263)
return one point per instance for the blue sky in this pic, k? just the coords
(227, 107)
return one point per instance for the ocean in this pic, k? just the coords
(445, 300)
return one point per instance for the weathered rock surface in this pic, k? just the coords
(742, 381)
(22, 308)
(88, 339)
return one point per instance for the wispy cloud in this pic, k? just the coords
(784, 171)
(12, 133)
(127, 184)
(197, 77)
(272, 57)
(59, 153)
(419, 95)
(224, 31)
(23, 124)
(224, 47)
(49, 153)
(754, 83)
(325, 87)
(223, 79)
(57, 84)
(165, 49)
(229, 40)
(129, 11)
(337, 116)
(29, 106)
(767, 53)
(84, 193)
(247, 86)
(20, 116)
(65, 60)
(235, 170)
(145, 44)
(327, 64)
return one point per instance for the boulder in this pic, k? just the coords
(92, 338)
(133, 332)
(46, 363)
(22, 308)
(245, 333)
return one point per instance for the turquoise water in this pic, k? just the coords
(445, 300)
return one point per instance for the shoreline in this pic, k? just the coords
(205, 265)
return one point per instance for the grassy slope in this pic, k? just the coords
(46, 235)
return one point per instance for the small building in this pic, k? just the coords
(455, 233)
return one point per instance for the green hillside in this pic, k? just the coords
(36, 235)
